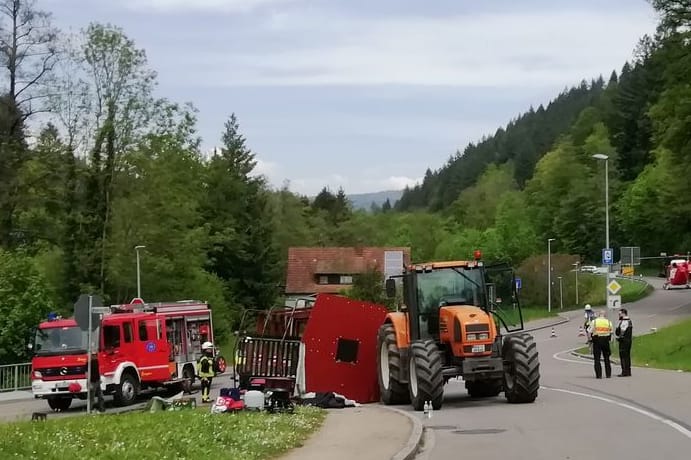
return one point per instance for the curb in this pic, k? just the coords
(411, 448)
(559, 322)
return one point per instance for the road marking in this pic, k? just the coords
(644, 412)
(567, 360)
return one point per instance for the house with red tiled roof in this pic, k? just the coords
(316, 270)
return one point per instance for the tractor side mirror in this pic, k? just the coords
(390, 285)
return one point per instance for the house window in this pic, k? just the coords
(346, 279)
(323, 279)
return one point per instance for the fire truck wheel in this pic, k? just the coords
(426, 379)
(521, 369)
(59, 404)
(126, 393)
(392, 387)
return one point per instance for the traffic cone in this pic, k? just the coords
(553, 334)
(581, 332)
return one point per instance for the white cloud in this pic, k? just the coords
(224, 6)
(399, 182)
(507, 49)
(266, 168)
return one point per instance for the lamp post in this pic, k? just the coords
(577, 264)
(602, 156)
(549, 274)
(139, 280)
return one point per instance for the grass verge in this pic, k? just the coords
(668, 348)
(161, 435)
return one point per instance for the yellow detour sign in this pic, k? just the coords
(627, 271)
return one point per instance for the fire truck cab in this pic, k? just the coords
(139, 346)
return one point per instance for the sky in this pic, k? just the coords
(366, 94)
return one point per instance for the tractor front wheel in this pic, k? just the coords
(521, 369)
(426, 382)
(392, 385)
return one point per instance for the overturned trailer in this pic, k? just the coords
(325, 346)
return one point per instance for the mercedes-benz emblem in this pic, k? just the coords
(63, 371)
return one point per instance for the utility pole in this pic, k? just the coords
(139, 280)
(561, 295)
(577, 264)
(549, 274)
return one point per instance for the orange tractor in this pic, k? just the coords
(448, 326)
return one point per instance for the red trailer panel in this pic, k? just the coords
(341, 343)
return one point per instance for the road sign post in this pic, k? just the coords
(84, 316)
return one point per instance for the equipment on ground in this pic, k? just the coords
(445, 328)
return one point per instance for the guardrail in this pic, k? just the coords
(14, 377)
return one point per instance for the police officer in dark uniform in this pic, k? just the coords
(624, 333)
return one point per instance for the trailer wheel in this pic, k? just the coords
(59, 404)
(521, 369)
(220, 364)
(484, 388)
(128, 389)
(392, 385)
(426, 379)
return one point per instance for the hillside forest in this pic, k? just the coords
(92, 164)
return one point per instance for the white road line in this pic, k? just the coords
(644, 412)
(567, 360)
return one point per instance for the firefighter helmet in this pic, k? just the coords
(588, 307)
(207, 346)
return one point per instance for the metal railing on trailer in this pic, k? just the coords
(268, 358)
(15, 377)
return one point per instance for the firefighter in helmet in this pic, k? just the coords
(205, 370)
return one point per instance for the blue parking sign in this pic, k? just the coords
(607, 256)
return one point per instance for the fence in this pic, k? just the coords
(15, 377)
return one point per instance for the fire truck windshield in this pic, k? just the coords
(60, 341)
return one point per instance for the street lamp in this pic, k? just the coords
(139, 280)
(576, 264)
(602, 156)
(549, 274)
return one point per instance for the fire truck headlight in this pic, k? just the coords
(484, 336)
(471, 336)
(37, 375)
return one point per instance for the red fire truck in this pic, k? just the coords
(140, 346)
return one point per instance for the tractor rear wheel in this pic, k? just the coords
(484, 388)
(521, 369)
(426, 381)
(392, 384)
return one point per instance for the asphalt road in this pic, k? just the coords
(576, 416)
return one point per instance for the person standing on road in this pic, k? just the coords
(205, 370)
(95, 383)
(624, 333)
(601, 333)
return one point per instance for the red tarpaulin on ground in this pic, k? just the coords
(341, 347)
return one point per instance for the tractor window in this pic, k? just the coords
(448, 286)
